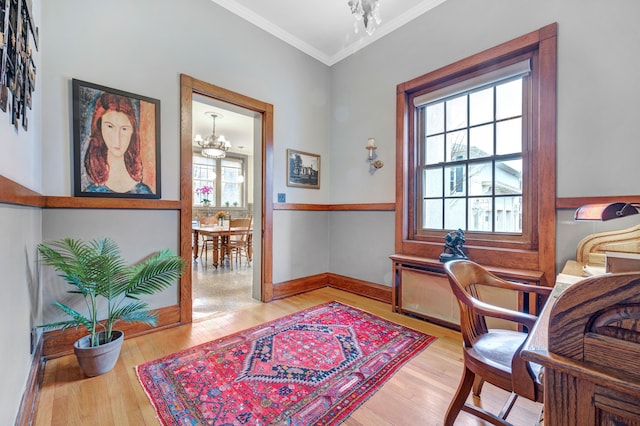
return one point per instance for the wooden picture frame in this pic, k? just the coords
(303, 169)
(103, 167)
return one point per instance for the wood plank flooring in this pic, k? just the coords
(418, 394)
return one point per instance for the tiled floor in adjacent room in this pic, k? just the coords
(221, 289)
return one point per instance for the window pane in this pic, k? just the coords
(435, 119)
(470, 159)
(435, 150)
(432, 214)
(481, 107)
(204, 176)
(480, 214)
(232, 184)
(509, 99)
(480, 178)
(456, 180)
(455, 213)
(481, 141)
(457, 145)
(509, 136)
(457, 113)
(509, 214)
(231, 194)
(432, 183)
(509, 177)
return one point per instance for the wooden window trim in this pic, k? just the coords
(538, 252)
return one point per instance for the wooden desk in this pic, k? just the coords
(584, 339)
(217, 234)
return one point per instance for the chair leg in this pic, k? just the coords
(203, 251)
(477, 385)
(466, 383)
(506, 409)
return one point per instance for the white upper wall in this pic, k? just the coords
(334, 114)
(597, 89)
(20, 159)
(142, 47)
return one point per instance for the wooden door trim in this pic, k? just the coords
(189, 86)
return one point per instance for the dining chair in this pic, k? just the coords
(207, 241)
(238, 243)
(492, 354)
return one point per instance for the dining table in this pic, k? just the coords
(219, 234)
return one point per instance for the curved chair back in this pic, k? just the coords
(496, 357)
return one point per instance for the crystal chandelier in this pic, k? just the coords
(367, 11)
(213, 146)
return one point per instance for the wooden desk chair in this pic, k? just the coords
(237, 243)
(491, 355)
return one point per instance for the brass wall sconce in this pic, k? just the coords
(374, 163)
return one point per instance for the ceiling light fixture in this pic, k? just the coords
(213, 146)
(367, 11)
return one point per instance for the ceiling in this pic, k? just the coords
(323, 29)
(235, 124)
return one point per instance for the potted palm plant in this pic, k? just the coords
(96, 271)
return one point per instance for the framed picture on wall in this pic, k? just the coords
(303, 169)
(116, 139)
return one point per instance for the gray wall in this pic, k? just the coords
(20, 232)
(150, 234)
(361, 243)
(300, 241)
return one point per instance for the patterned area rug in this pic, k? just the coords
(315, 366)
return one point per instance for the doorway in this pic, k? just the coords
(223, 181)
(262, 115)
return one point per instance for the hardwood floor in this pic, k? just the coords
(418, 394)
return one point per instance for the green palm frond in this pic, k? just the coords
(96, 270)
(156, 274)
(137, 312)
(77, 319)
(61, 325)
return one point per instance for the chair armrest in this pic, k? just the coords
(486, 309)
(493, 281)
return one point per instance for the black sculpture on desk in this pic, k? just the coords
(453, 246)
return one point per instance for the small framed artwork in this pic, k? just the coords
(116, 139)
(303, 169)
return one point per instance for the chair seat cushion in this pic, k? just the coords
(497, 347)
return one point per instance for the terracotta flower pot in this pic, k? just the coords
(99, 359)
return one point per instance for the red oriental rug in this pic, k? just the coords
(315, 366)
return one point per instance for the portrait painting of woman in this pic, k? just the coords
(116, 148)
